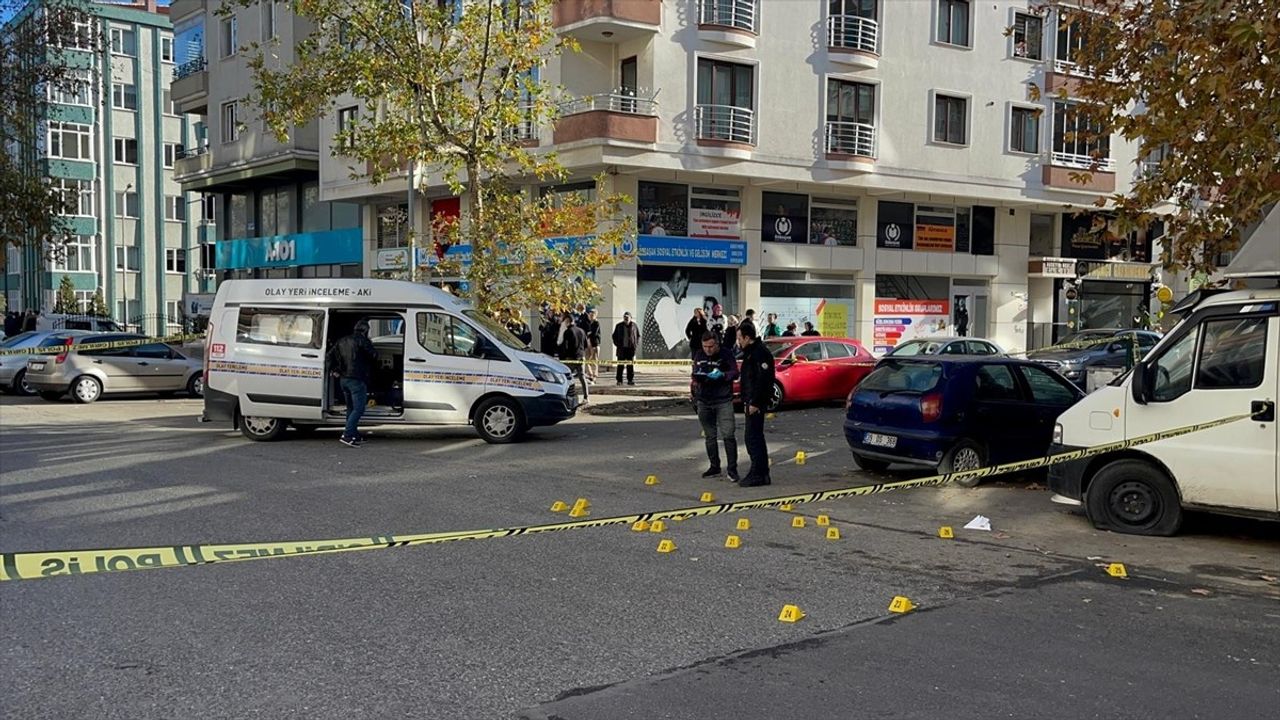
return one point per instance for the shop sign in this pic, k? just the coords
(898, 321)
(694, 251)
(327, 247)
(1052, 268)
(1125, 272)
(714, 223)
(895, 225)
(936, 238)
(392, 259)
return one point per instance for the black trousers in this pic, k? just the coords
(627, 356)
(757, 450)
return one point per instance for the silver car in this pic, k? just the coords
(946, 346)
(13, 368)
(87, 376)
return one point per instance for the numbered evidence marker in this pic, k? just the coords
(824, 520)
(833, 533)
(790, 614)
(733, 542)
(901, 604)
(1116, 570)
(744, 524)
(666, 546)
(800, 457)
(651, 480)
(946, 533)
(559, 506)
(640, 526)
(657, 526)
(797, 522)
(579, 508)
(708, 497)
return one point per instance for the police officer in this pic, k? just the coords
(757, 389)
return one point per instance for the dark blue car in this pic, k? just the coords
(955, 413)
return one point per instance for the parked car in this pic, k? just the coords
(1074, 362)
(92, 323)
(88, 375)
(945, 346)
(13, 368)
(815, 369)
(953, 413)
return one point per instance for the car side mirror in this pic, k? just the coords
(1141, 384)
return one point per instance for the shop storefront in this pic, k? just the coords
(799, 297)
(324, 254)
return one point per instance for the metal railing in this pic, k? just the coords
(852, 32)
(191, 152)
(619, 101)
(740, 14)
(190, 67)
(725, 122)
(1082, 162)
(523, 131)
(851, 138)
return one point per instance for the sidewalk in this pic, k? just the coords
(655, 388)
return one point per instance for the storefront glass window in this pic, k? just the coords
(1041, 240)
(666, 297)
(715, 213)
(315, 216)
(238, 216)
(828, 306)
(1111, 304)
(663, 209)
(833, 222)
(785, 218)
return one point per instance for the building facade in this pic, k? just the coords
(111, 144)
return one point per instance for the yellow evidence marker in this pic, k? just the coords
(946, 533)
(901, 605)
(824, 520)
(657, 526)
(707, 497)
(651, 480)
(833, 533)
(790, 614)
(1116, 570)
(666, 546)
(640, 526)
(800, 457)
(744, 524)
(559, 506)
(732, 542)
(797, 522)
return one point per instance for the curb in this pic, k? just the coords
(631, 407)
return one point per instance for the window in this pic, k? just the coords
(949, 116)
(1153, 158)
(175, 260)
(208, 208)
(73, 88)
(167, 105)
(268, 19)
(166, 49)
(851, 112)
(172, 151)
(230, 123)
(1233, 354)
(69, 141)
(441, 334)
(127, 258)
(228, 37)
(1172, 370)
(173, 314)
(84, 300)
(290, 328)
(833, 222)
(1024, 130)
(124, 96)
(125, 151)
(726, 101)
(811, 352)
(79, 36)
(835, 351)
(113, 352)
(78, 254)
(175, 208)
(127, 204)
(953, 22)
(1071, 32)
(124, 41)
(346, 127)
(1028, 36)
(1046, 389)
(154, 351)
(995, 383)
(977, 347)
(77, 196)
(1077, 140)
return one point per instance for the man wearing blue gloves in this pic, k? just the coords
(714, 370)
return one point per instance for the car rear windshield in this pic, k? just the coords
(903, 377)
(17, 340)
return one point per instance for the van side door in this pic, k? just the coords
(278, 360)
(1224, 365)
(445, 368)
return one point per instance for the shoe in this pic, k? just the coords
(733, 475)
(750, 481)
(711, 472)
(631, 383)
(349, 442)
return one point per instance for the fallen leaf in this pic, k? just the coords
(1200, 591)
(1268, 578)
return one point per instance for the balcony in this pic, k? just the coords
(180, 9)
(728, 130)
(853, 40)
(851, 145)
(619, 115)
(523, 133)
(1058, 172)
(191, 162)
(190, 87)
(612, 21)
(729, 22)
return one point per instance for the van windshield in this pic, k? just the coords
(495, 328)
(902, 377)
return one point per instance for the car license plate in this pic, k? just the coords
(37, 366)
(878, 440)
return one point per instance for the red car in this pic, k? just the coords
(815, 369)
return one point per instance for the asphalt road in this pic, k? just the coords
(1018, 622)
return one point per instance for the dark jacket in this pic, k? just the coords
(718, 390)
(352, 357)
(592, 329)
(626, 336)
(730, 337)
(574, 346)
(694, 330)
(548, 332)
(757, 374)
(521, 330)
(810, 333)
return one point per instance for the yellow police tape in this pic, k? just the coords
(34, 565)
(92, 346)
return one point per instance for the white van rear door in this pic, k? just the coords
(278, 361)
(1220, 368)
(444, 368)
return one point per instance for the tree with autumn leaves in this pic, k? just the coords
(1196, 83)
(450, 91)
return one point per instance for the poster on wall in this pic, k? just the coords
(785, 218)
(895, 225)
(666, 298)
(898, 321)
(662, 209)
(714, 223)
(936, 229)
(830, 316)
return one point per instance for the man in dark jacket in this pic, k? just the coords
(714, 369)
(350, 360)
(757, 389)
(626, 338)
(809, 330)
(573, 350)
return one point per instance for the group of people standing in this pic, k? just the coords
(715, 368)
(725, 327)
(15, 322)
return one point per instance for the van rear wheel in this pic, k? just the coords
(499, 420)
(1135, 497)
(262, 429)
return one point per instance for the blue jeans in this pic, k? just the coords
(357, 396)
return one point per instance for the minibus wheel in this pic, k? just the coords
(499, 420)
(1135, 497)
(260, 428)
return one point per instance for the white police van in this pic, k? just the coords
(440, 362)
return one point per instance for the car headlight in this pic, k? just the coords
(1057, 434)
(545, 374)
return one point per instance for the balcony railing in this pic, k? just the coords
(725, 122)
(740, 14)
(1082, 162)
(190, 67)
(852, 32)
(851, 138)
(522, 132)
(619, 101)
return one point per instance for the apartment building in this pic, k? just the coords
(271, 221)
(111, 144)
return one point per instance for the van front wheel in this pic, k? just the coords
(1134, 497)
(261, 428)
(499, 420)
